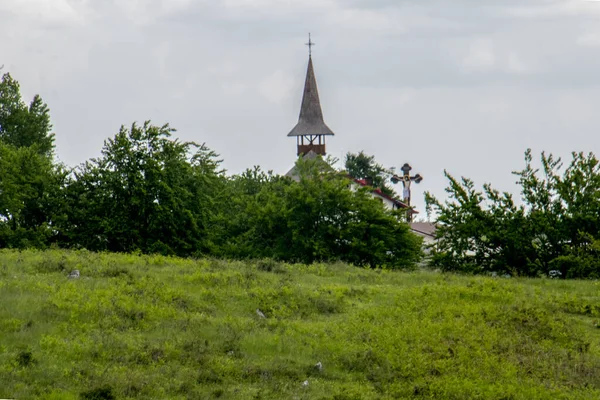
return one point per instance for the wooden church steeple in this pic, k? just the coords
(310, 131)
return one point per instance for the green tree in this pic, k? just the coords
(556, 228)
(30, 183)
(30, 190)
(479, 231)
(564, 210)
(22, 125)
(147, 192)
(247, 208)
(362, 166)
(317, 217)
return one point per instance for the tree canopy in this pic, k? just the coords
(554, 231)
(151, 193)
(362, 166)
(30, 182)
(316, 218)
(147, 192)
(22, 125)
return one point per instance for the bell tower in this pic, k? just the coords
(310, 131)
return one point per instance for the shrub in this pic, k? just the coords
(100, 393)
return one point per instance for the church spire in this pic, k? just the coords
(311, 129)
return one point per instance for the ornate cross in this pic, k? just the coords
(310, 44)
(406, 181)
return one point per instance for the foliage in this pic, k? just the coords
(316, 218)
(139, 327)
(147, 192)
(556, 228)
(362, 166)
(23, 126)
(30, 183)
(151, 193)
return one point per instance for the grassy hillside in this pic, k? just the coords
(155, 327)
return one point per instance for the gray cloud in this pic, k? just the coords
(459, 84)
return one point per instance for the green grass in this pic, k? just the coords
(152, 327)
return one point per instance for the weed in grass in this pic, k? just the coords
(52, 265)
(269, 265)
(230, 338)
(25, 358)
(209, 376)
(101, 393)
(114, 271)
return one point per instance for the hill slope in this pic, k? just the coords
(153, 327)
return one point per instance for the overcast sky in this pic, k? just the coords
(462, 85)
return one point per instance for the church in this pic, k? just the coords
(311, 132)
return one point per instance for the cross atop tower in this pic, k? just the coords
(310, 44)
(310, 131)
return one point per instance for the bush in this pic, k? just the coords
(101, 393)
(555, 229)
(25, 358)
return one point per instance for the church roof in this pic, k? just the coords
(311, 116)
(379, 192)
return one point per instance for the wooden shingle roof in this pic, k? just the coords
(311, 116)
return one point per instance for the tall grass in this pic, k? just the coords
(142, 327)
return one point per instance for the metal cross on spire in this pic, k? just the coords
(310, 44)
